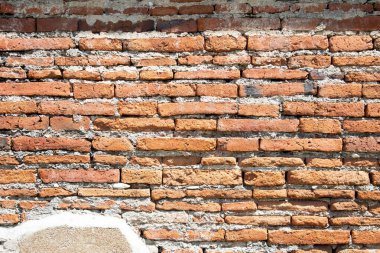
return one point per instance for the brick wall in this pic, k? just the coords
(209, 126)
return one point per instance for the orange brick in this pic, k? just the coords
(17, 176)
(312, 221)
(208, 74)
(110, 159)
(185, 206)
(82, 74)
(232, 60)
(287, 43)
(371, 91)
(201, 176)
(79, 175)
(225, 43)
(93, 90)
(366, 237)
(238, 144)
(373, 110)
(66, 123)
(9, 219)
(24, 44)
(272, 162)
(217, 90)
(219, 194)
(263, 61)
(195, 59)
(259, 220)
(112, 144)
(75, 108)
(50, 143)
(141, 176)
(246, 206)
(157, 61)
(133, 124)
(102, 44)
(156, 75)
(28, 123)
(362, 126)
(314, 125)
(45, 73)
(18, 107)
(264, 178)
(286, 74)
(246, 235)
(47, 159)
(309, 61)
(362, 77)
(363, 144)
(190, 108)
(356, 61)
(270, 194)
(324, 163)
(218, 161)
(35, 89)
(309, 237)
(144, 108)
(120, 75)
(30, 61)
(256, 125)
(353, 109)
(179, 44)
(99, 192)
(321, 145)
(308, 177)
(340, 90)
(54, 192)
(350, 43)
(195, 125)
(179, 144)
(300, 206)
(154, 89)
(273, 89)
(264, 110)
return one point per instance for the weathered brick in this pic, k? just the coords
(217, 90)
(312, 221)
(28, 123)
(49, 143)
(371, 91)
(30, 61)
(334, 109)
(120, 75)
(264, 178)
(273, 89)
(93, 90)
(201, 176)
(306, 177)
(179, 144)
(195, 125)
(272, 162)
(225, 43)
(350, 43)
(141, 176)
(300, 206)
(127, 193)
(314, 125)
(185, 206)
(238, 144)
(356, 61)
(246, 235)
(79, 175)
(24, 44)
(366, 237)
(373, 110)
(218, 161)
(82, 74)
(254, 125)
(45, 73)
(133, 124)
(154, 89)
(17, 176)
(309, 237)
(285, 74)
(179, 44)
(324, 162)
(321, 145)
(240, 24)
(47, 159)
(103, 44)
(287, 43)
(265, 110)
(309, 61)
(35, 89)
(189, 108)
(62, 107)
(340, 90)
(259, 220)
(144, 108)
(112, 144)
(362, 126)
(363, 144)
(208, 74)
(270, 194)
(231, 60)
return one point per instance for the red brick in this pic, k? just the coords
(71, 61)
(276, 8)
(189, 235)
(66, 123)
(144, 108)
(163, 11)
(179, 144)
(17, 176)
(103, 44)
(35, 89)
(196, 9)
(240, 24)
(189, 108)
(127, 193)
(46, 143)
(233, 8)
(366, 23)
(324, 163)
(28, 123)
(271, 162)
(179, 44)
(263, 61)
(350, 7)
(195, 59)
(310, 237)
(287, 43)
(208, 74)
(356, 61)
(12, 73)
(65, 159)
(350, 43)
(63, 107)
(363, 144)
(17, 25)
(217, 90)
(154, 89)
(225, 43)
(304, 206)
(285, 74)
(110, 159)
(93, 90)
(218, 161)
(141, 176)
(232, 60)
(362, 126)
(156, 75)
(308, 177)
(362, 77)
(195, 125)
(156, 61)
(57, 24)
(257, 125)
(201, 177)
(259, 220)
(373, 110)
(109, 60)
(24, 44)
(46, 73)
(371, 91)
(339, 109)
(312, 221)
(185, 206)
(79, 175)
(238, 144)
(112, 144)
